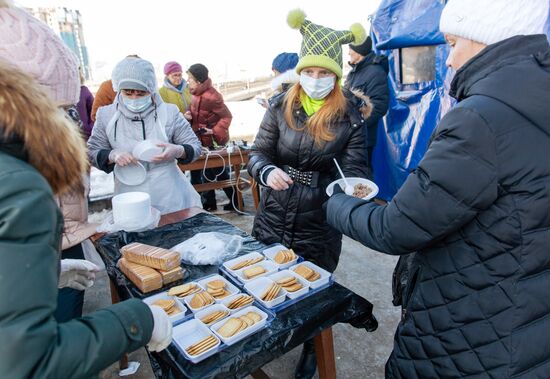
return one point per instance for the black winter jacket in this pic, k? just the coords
(370, 76)
(295, 217)
(477, 210)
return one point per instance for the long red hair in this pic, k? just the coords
(318, 125)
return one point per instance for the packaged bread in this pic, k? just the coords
(151, 256)
(145, 278)
(172, 275)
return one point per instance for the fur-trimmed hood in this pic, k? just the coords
(32, 128)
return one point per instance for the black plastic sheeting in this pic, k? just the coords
(291, 327)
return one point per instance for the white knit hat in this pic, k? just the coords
(32, 47)
(492, 21)
(134, 73)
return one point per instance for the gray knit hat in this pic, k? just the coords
(134, 73)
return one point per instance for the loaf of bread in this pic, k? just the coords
(145, 278)
(172, 275)
(151, 256)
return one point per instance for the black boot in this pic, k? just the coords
(307, 365)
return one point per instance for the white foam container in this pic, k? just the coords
(244, 333)
(227, 265)
(352, 182)
(232, 289)
(257, 288)
(213, 308)
(272, 251)
(191, 332)
(269, 266)
(325, 275)
(164, 296)
(285, 273)
(187, 301)
(228, 300)
(146, 150)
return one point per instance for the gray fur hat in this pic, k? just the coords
(134, 73)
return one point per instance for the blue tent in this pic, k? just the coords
(407, 32)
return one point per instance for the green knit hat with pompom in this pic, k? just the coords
(322, 46)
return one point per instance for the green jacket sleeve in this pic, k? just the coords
(33, 344)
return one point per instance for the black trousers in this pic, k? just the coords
(209, 197)
(69, 300)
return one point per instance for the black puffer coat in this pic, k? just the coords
(370, 76)
(477, 210)
(295, 217)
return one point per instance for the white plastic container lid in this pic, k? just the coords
(132, 175)
(146, 150)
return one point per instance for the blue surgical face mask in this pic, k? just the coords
(137, 105)
(317, 89)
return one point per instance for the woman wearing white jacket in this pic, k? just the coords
(138, 113)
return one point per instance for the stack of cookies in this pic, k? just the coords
(246, 263)
(201, 299)
(253, 272)
(307, 273)
(150, 267)
(214, 316)
(168, 305)
(290, 283)
(202, 346)
(240, 301)
(271, 292)
(184, 290)
(236, 325)
(284, 256)
(216, 288)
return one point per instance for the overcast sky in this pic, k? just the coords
(232, 38)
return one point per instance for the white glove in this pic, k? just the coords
(78, 274)
(162, 330)
(169, 153)
(121, 158)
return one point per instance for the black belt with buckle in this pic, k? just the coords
(306, 178)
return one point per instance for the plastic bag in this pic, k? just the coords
(108, 225)
(212, 248)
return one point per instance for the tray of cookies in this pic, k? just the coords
(240, 325)
(218, 286)
(266, 291)
(184, 290)
(243, 261)
(294, 285)
(314, 274)
(281, 256)
(195, 340)
(199, 300)
(212, 314)
(170, 304)
(249, 273)
(235, 302)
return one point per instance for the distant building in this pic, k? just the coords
(67, 24)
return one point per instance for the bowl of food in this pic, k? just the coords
(362, 188)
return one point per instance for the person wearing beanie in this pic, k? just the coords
(42, 156)
(138, 114)
(29, 45)
(175, 89)
(105, 94)
(283, 68)
(210, 119)
(304, 128)
(369, 75)
(475, 212)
